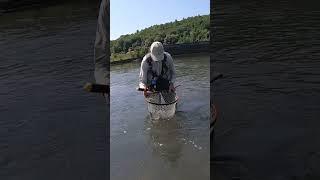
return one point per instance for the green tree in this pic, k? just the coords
(188, 30)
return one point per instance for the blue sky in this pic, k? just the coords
(127, 16)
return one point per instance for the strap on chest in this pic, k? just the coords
(164, 66)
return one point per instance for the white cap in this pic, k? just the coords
(157, 51)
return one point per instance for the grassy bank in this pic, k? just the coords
(175, 50)
(191, 31)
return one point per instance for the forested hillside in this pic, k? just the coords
(189, 30)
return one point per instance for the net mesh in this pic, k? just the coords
(162, 105)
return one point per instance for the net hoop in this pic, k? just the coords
(163, 104)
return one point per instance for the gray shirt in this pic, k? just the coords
(102, 45)
(145, 77)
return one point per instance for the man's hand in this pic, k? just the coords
(146, 93)
(171, 88)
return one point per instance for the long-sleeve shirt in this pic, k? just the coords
(146, 77)
(102, 45)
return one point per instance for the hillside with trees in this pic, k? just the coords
(188, 30)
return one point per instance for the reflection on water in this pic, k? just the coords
(165, 137)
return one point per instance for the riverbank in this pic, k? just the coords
(175, 50)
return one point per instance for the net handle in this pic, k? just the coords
(143, 89)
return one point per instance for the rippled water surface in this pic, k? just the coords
(269, 99)
(50, 128)
(174, 149)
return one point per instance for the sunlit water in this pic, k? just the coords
(142, 148)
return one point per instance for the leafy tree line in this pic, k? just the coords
(189, 30)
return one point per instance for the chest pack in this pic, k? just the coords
(161, 82)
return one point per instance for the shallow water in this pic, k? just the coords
(269, 98)
(166, 149)
(50, 128)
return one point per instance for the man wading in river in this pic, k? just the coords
(157, 71)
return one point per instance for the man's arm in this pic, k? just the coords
(173, 69)
(102, 45)
(143, 77)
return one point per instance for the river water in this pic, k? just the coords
(50, 128)
(269, 98)
(176, 149)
